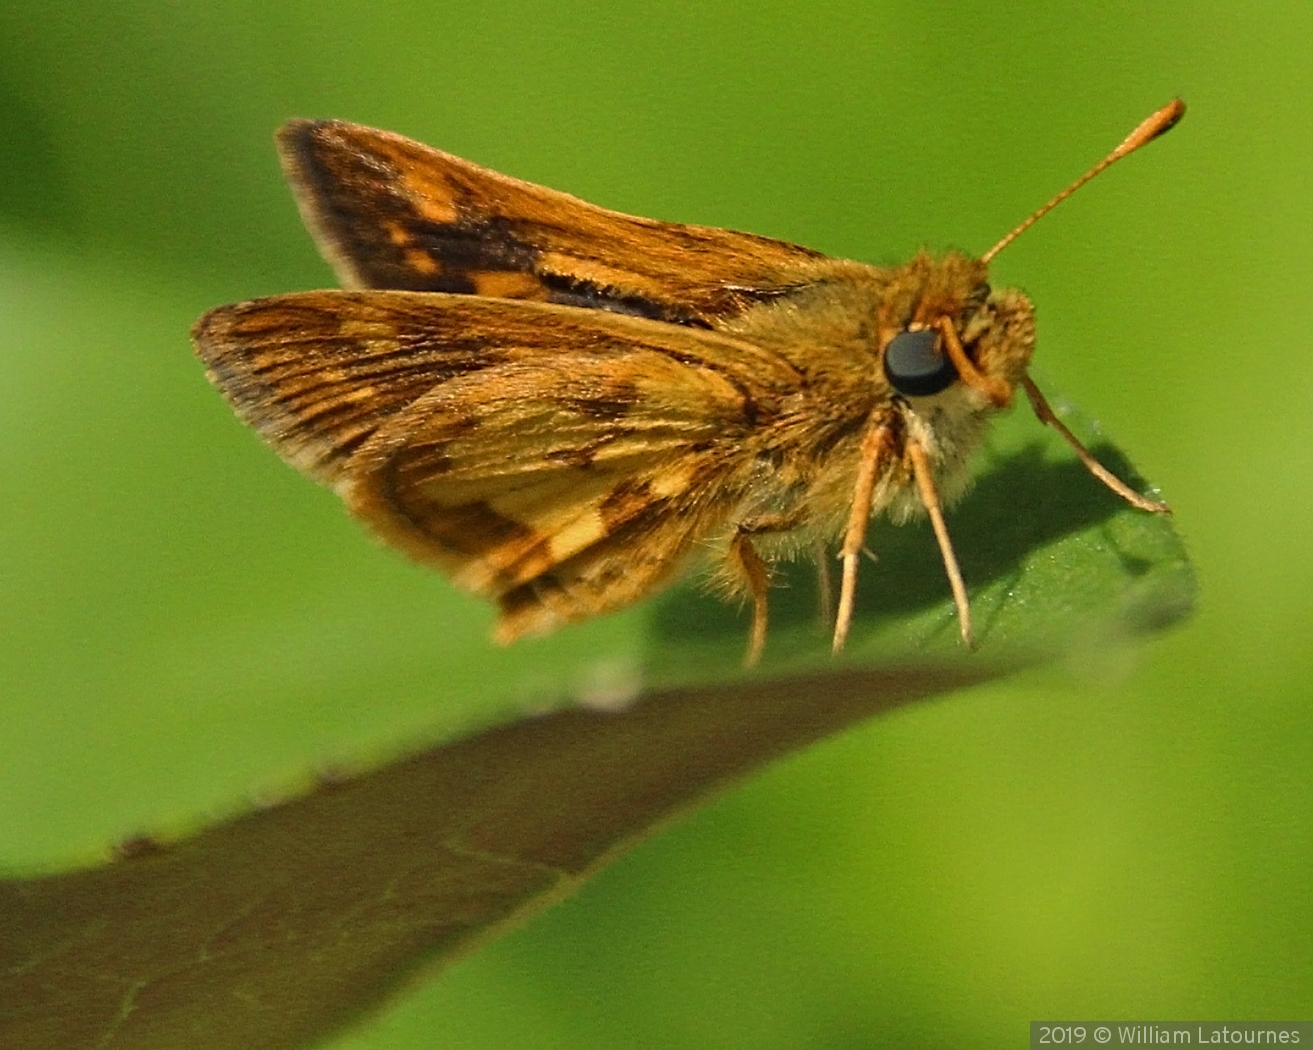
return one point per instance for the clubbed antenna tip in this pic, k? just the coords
(1159, 124)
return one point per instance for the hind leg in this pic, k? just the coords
(750, 573)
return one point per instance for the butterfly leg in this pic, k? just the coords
(1046, 415)
(751, 572)
(876, 447)
(750, 568)
(925, 483)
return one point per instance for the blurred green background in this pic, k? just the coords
(185, 624)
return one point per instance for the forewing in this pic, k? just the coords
(560, 461)
(388, 212)
(317, 373)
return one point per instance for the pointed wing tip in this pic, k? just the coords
(300, 133)
(301, 127)
(296, 138)
(224, 360)
(208, 334)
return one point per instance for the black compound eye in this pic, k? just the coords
(916, 364)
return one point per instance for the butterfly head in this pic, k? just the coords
(946, 329)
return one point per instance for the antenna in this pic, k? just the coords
(1159, 124)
